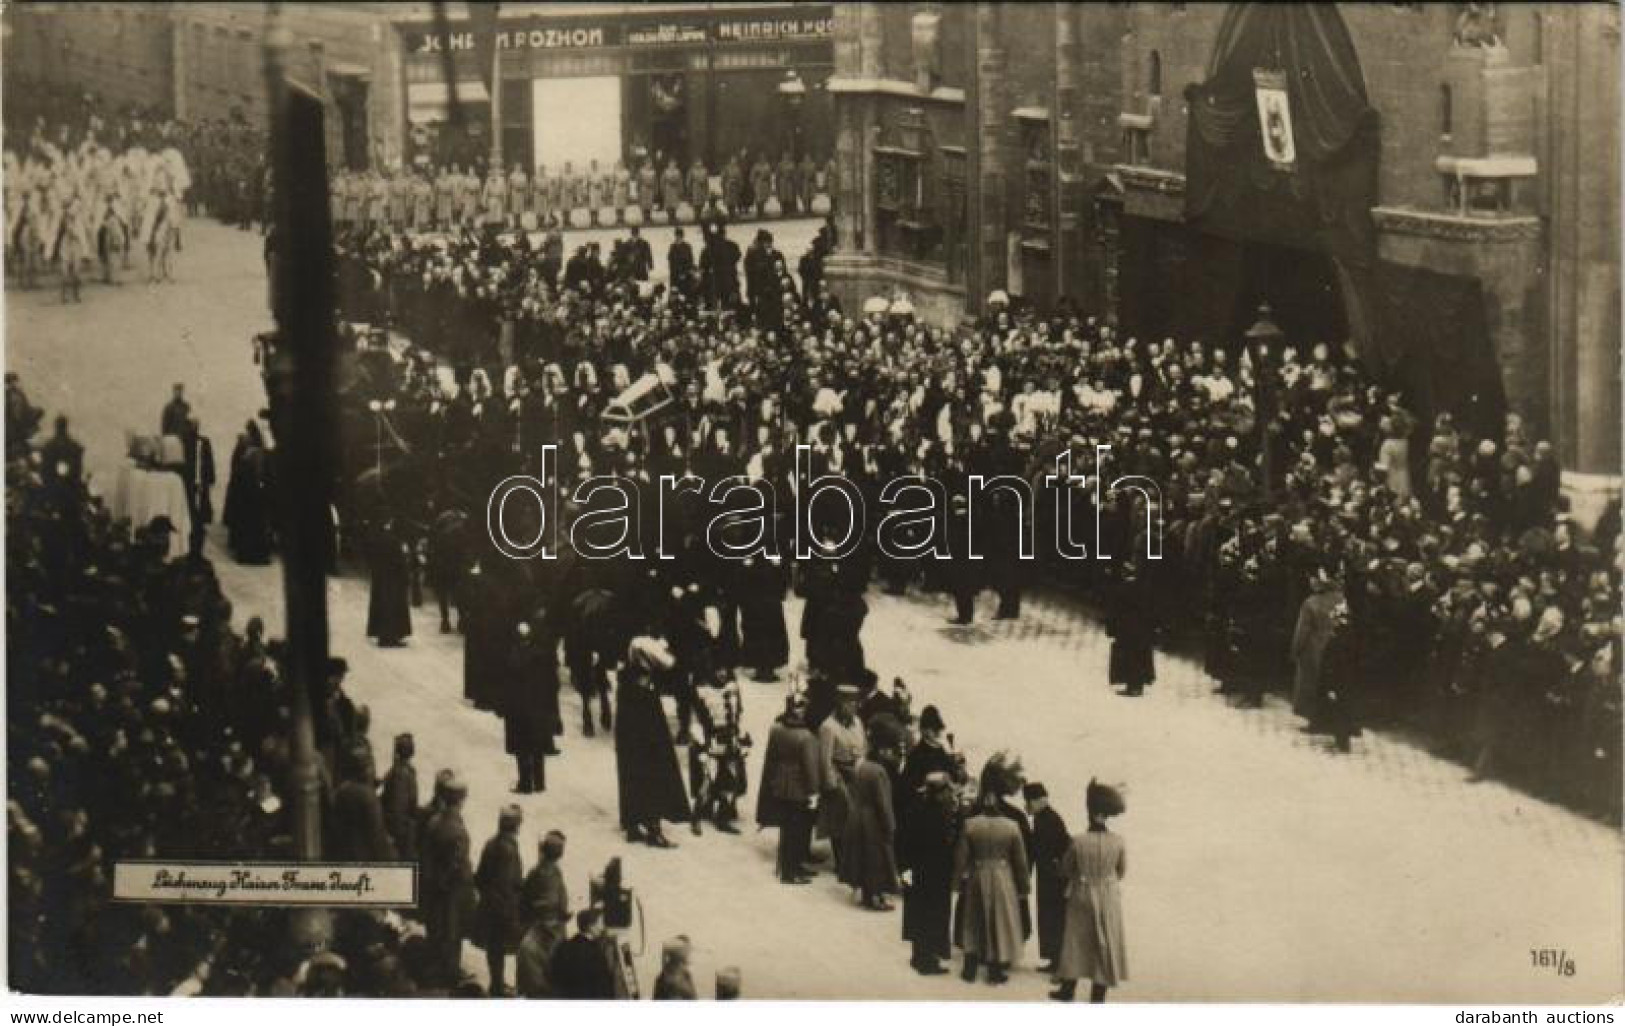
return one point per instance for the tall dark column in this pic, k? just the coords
(991, 174)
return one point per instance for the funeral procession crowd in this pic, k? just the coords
(1306, 533)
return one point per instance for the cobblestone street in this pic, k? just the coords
(1262, 866)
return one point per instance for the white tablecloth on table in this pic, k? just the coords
(142, 496)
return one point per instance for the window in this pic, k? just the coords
(1154, 80)
(1446, 110)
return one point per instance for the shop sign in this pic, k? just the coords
(520, 37)
(771, 29)
(665, 34)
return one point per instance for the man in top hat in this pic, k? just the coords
(789, 788)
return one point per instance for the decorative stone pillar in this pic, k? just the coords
(1064, 241)
(853, 47)
(989, 220)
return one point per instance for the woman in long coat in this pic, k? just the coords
(991, 864)
(650, 781)
(1093, 947)
(870, 864)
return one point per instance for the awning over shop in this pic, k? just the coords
(428, 102)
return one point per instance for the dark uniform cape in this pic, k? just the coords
(650, 781)
(925, 846)
(789, 773)
(498, 878)
(1050, 843)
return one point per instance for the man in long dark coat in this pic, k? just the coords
(1050, 844)
(764, 638)
(399, 798)
(500, 874)
(448, 877)
(484, 636)
(680, 265)
(650, 781)
(925, 849)
(1132, 626)
(358, 831)
(529, 708)
(545, 905)
(789, 789)
(389, 609)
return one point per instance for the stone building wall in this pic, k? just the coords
(1533, 119)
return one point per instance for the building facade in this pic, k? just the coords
(687, 80)
(1452, 204)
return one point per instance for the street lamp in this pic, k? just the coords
(378, 410)
(1259, 338)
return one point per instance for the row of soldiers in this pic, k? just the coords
(425, 200)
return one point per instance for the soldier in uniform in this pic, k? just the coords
(761, 184)
(445, 198)
(401, 200)
(733, 187)
(671, 187)
(423, 200)
(501, 874)
(698, 184)
(494, 198)
(448, 879)
(841, 744)
(788, 185)
(789, 789)
(399, 797)
(518, 194)
(543, 195)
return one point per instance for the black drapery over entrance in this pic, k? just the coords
(1284, 215)
(1322, 199)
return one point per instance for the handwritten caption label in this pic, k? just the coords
(336, 884)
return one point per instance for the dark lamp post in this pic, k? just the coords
(1260, 338)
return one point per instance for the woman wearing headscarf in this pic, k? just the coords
(1092, 947)
(990, 863)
